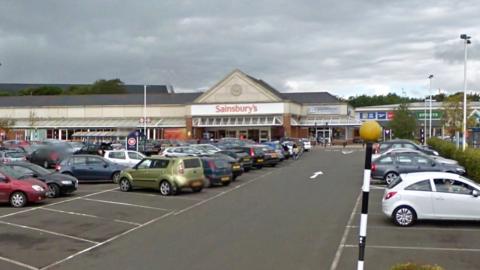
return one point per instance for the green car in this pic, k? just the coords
(168, 175)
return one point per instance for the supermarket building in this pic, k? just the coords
(237, 106)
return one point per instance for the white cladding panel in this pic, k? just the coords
(238, 109)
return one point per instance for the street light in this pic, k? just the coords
(466, 42)
(430, 77)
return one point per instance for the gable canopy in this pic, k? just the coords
(239, 87)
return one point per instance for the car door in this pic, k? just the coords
(158, 169)
(404, 163)
(453, 199)
(99, 169)
(118, 157)
(425, 164)
(420, 196)
(140, 174)
(133, 158)
(80, 168)
(5, 188)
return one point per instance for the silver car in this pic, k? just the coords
(431, 195)
(182, 151)
(408, 150)
(124, 157)
(389, 166)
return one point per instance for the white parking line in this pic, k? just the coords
(92, 216)
(59, 202)
(418, 248)
(339, 252)
(18, 263)
(160, 196)
(106, 241)
(127, 204)
(48, 232)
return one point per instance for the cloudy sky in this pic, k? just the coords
(346, 47)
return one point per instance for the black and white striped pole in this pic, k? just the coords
(370, 132)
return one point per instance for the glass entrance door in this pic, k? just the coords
(264, 136)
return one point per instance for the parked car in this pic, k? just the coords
(90, 168)
(386, 145)
(235, 163)
(431, 195)
(46, 156)
(205, 148)
(244, 159)
(217, 171)
(149, 147)
(94, 149)
(307, 145)
(255, 153)
(413, 151)
(388, 167)
(270, 156)
(278, 148)
(76, 146)
(19, 191)
(14, 143)
(168, 175)
(181, 151)
(7, 156)
(57, 184)
(124, 157)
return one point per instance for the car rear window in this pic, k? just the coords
(394, 183)
(191, 163)
(257, 151)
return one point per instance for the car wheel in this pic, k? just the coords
(197, 189)
(226, 183)
(234, 178)
(390, 177)
(45, 164)
(166, 188)
(53, 191)
(125, 185)
(404, 216)
(18, 199)
(115, 177)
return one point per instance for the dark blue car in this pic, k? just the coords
(217, 171)
(90, 168)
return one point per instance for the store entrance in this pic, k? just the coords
(261, 134)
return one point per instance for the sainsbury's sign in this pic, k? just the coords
(238, 109)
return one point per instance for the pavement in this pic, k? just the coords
(303, 214)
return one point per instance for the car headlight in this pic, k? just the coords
(435, 153)
(66, 182)
(37, 188)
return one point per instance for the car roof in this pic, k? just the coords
(411, 177)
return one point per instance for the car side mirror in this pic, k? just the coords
(434, 164)
(4, 178)
(105, 165)
(475, 193)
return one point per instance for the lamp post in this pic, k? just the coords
(467, 41)
(424, 121)
(430, 77)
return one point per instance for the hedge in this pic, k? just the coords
(470, 158)
(412, 266)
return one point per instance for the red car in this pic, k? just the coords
(18, 190)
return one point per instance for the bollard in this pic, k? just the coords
(370, 131)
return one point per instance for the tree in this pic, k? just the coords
(102, 86)
(403, 123)
(41, 91)
(390, 98)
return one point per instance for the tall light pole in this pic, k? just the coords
(467, 41)
(430, 77)
(425, 121)
(145, 111)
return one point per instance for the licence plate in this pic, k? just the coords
(225, 178)
(259, 160)
(196, 184)
(274, 155)
(236, 167)
(246, 159)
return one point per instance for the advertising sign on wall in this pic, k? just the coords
(325, 109)
(381, 115)
(372, 115)
(435, 115)
(238, 109)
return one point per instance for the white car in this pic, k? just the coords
(205, 148)
(124, 157)
(431, 195)
(307, 145)
(182, 151)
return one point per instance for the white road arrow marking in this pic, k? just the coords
(346, 152)
(316, 174)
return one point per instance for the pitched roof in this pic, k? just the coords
(311, 97)
(131, 88)
(92, 100)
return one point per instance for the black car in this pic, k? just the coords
(149, 147)
(255, 153)
(47, 156)
(237, 168)
(58, 184)
(241, 156)
(386, 145)
(270, 156)
(94, 149)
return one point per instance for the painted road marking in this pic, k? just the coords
(417, 248)
(127, 204)
(316, 174)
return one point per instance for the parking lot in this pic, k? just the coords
(274, 218)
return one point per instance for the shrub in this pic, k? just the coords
(413, 266)
(470, 158)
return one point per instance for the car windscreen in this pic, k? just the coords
(14, 154)
(191, 163)
(11, 172)
(221, 163)
(38, 169)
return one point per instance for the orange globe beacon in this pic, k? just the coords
(370, 131)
